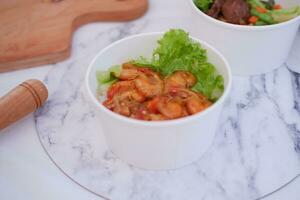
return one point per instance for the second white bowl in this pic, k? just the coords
(250, 50)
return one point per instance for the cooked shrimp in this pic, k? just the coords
(128, 65)
(122, 97)
(143, 94)
(128, 72)
(123, 90)
(196, 104)
(116, 106)
(122, 110)
(181, 93)
(118, 87)
(170, 109)
(181, 79)
(149, 84)
(146, 81)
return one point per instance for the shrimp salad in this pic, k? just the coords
(154, 90)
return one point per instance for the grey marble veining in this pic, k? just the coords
(256, 149)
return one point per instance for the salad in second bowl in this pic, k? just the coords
(177, 81)
(247, 12)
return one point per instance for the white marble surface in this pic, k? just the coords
(256, 149)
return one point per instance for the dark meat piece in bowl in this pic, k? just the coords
(236, 11)
(216, 8)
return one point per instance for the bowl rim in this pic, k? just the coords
(165, 122)
(241, 27)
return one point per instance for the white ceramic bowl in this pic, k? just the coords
(250, 50)
(155, 145)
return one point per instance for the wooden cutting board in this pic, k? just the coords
(37, 32)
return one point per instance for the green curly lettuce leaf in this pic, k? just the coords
(176, 51)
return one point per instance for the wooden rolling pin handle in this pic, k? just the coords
(21, 101)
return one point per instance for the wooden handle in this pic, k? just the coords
(21, 101)
(38, 32)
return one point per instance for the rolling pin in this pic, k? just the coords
(21, 101)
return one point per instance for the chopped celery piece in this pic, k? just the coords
(115, 70)
(111, 74)
(103, 76)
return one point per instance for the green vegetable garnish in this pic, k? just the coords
(107, 78)
(176, 51)
(111, 74)
(265, 17)
(204, 5)
(256, 3)
(260, 23)
(272, 16)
